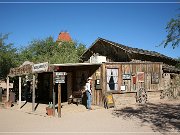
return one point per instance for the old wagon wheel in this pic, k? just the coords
(141, 96)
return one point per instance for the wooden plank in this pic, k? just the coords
(134, 68)
(59, 100)
(92, 89)
(160, 77)
(7, 88)
(130, 81)
(51, 86)
(54, 96)
(104, 79)
(120, 77)
(69, 85)
(19, 92)
(96, 97)
(100, 98)
(97, 103)
(145, 73)
(33, 94)
(143, 67)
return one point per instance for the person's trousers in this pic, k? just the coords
(88, 99)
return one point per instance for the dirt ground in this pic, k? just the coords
(162, 117)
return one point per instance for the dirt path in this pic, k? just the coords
(98, 121)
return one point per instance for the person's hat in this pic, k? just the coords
(90, 78)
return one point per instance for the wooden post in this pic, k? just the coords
(19, 92)
(7, 88)
(53, 101)
(0, 94)
(33, 94)
(59, 100)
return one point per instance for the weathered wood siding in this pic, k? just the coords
(79, 81)
(132, 85)
(148, 69)
(97, 93)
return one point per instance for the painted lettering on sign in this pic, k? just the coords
(126, 76)
(41, 67)
(59, 77)
(26, 69)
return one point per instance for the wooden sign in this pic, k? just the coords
(4, 85)
(140, 76)
(59, 77)
(23, 70)
(126, 76)
(41, 67)
(109, 101)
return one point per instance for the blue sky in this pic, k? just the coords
(138, 25)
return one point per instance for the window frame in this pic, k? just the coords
(116, 84)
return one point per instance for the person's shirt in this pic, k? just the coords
(88, 87)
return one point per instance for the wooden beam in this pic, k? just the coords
(33, 94)
(54, 96)
(7, 88)
(19, 92)
(59, 100)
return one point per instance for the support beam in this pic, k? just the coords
(0, 94)
(7, 88)
(54, 96)
(19, 92)
(33, 94)
(59, 100)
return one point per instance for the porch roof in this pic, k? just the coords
(76, 64)
(70, 67)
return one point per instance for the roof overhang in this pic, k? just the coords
(76, 64)
(70, 67)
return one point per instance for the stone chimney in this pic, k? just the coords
(64, 36)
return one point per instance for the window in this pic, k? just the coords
(112, 79)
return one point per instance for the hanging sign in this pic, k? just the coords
(126, 76)
(59, 77)
(41, 67)
(22, 70)
(4, 85)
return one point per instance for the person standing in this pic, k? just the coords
(88, 93)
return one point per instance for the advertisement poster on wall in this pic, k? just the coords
(140, 76)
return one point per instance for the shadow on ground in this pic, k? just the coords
(162, 117)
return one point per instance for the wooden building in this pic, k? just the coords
(130, 69)
(116, 69)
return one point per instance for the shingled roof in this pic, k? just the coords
(115, 50)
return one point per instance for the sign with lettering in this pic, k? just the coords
(23, 70)
(59, 77)
(4, 85)
(126, 76)
(41, 67)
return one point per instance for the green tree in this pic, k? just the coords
(54, 52)
(8, 56)
(173, 30)
(67, 52)
(37, 50)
